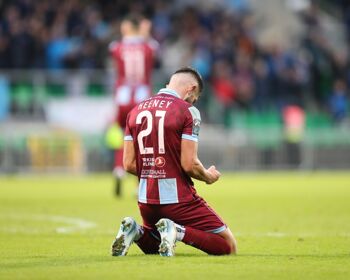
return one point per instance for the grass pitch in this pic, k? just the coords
(288, 226)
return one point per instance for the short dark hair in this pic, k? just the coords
(194, 73)
(134, 19)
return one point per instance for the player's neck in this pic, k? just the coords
(131, 35)
(176, 91)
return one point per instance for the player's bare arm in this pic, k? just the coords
(129, 158)
(193, 166)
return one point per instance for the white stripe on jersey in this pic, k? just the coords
(167, 191)
(190, 137)
(128, 138)
(143, 190)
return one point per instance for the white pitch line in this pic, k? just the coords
(73, 224)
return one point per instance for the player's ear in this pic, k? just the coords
(191, 89)
(195, 91)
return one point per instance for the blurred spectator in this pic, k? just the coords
(201, 61)
(21, 45)
(262, 98)
(338, 102)
(58, 48)
(4, 98)
(97, 27)
(224, 88)
(294, 128)
(161, 20)
(218, 34)
(291, 86)
(4, 49)
(243, 77)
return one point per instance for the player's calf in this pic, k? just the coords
(211, 243)
(230, 239)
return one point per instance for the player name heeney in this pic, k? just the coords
(154, 103)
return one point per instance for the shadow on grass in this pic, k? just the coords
(56, 261)
(49, 261)
(318, 256)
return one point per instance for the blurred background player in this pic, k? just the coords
(134, 57)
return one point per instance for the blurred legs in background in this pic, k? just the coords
(118, 171)
(114, 141)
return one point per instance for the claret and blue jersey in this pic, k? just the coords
(157, 127)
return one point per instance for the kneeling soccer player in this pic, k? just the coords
(160, 147)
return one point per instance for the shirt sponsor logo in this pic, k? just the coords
(147, 161)
(159, 161)
(153, 173)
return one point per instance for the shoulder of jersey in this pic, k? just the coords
(184, 103)
(194, 112)
(153, 44)
(113, 45)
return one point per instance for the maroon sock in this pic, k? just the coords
(118, 158)
(148, 242)
(211, 243)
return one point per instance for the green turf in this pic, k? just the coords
(288, 226)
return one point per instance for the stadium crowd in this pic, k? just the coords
(220, 42)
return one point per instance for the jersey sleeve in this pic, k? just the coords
(153, 44)
(127, 132)
(112, 47)
(192, 124)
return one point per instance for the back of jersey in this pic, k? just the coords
(157, 126)
(134, 58)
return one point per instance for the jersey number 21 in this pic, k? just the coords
(143, 133)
